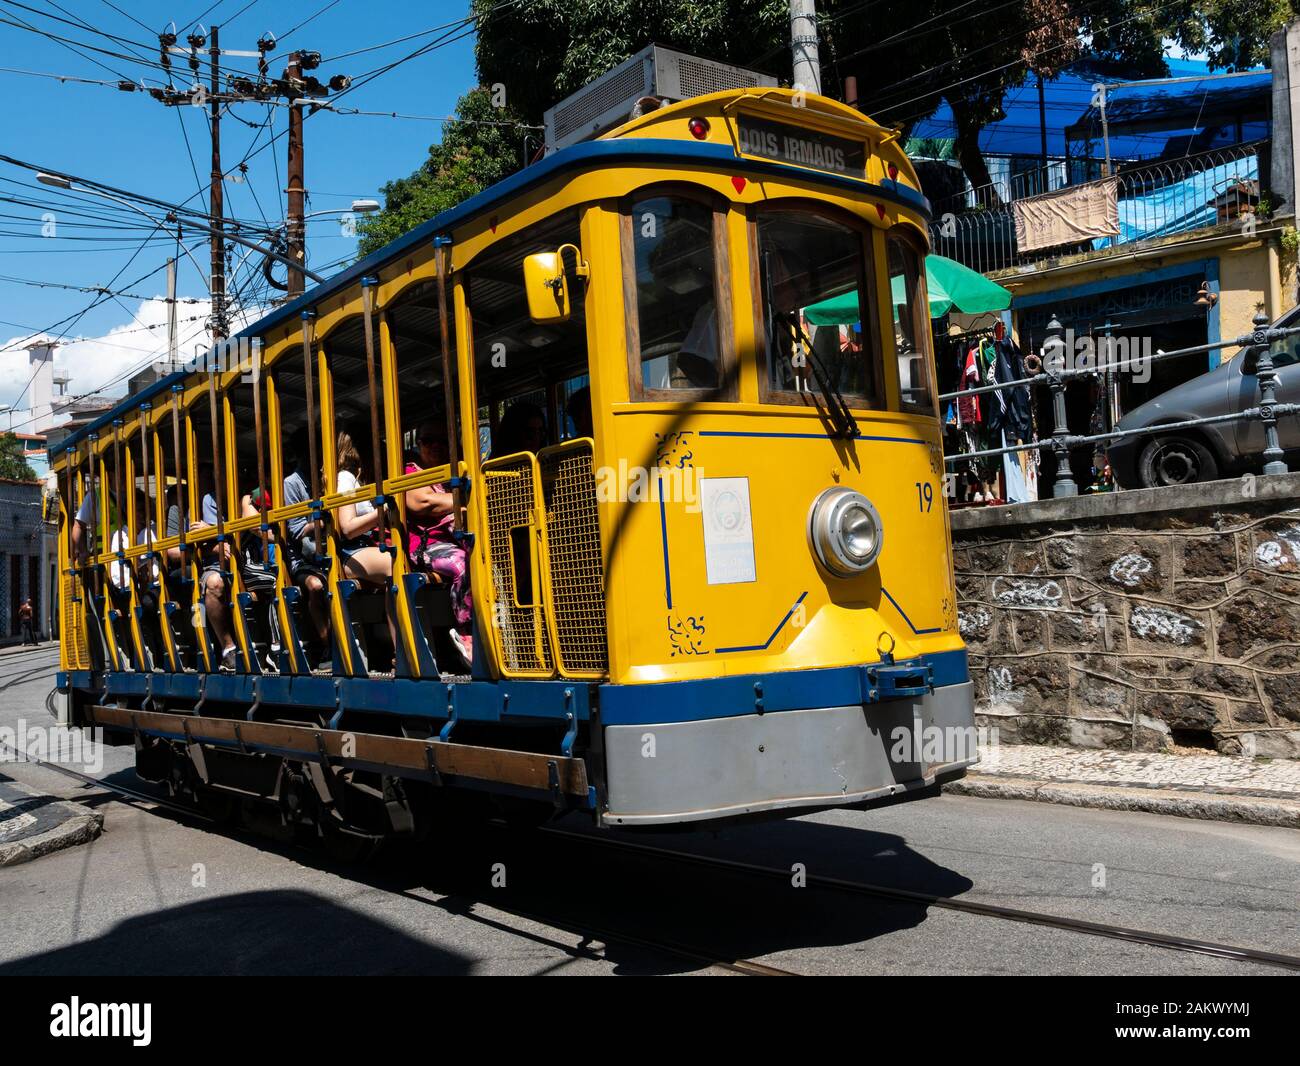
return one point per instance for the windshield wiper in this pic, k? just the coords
(837, 407)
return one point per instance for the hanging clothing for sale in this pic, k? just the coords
(1013, 476)
(1010, 408)
(968, 407)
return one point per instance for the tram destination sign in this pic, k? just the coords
(801, 147)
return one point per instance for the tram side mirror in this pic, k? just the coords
(551, 279)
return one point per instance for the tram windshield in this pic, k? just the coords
(812, 272)
(676, 302)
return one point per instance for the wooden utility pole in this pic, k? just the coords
(216, 206)
(295, 225)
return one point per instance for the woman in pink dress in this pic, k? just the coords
(431, 547)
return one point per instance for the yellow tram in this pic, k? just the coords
(692, 473)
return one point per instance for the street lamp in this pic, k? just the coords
(359, 207)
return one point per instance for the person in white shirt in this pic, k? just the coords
(364, 558)
(83, 528)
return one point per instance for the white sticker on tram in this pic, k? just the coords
(728, 530)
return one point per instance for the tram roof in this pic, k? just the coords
(611, 151)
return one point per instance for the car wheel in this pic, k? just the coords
(1176, 461)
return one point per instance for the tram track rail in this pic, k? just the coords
(1165, 941)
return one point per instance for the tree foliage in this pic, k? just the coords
(13, 464)
(908, 59)
(481, 146)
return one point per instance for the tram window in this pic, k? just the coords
(816, 326)
(678, 329)
(911, 323)
(415, 332)
(518, 363)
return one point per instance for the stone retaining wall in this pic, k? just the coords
(1138, 620)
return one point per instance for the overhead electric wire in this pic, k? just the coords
(34, 283)
(127, 14)
(309, 18)
(94, 303)
(941, 90)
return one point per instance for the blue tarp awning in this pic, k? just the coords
(1183, 205)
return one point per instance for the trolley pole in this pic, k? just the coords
(295, 226)
(216, 204)
(806, 72)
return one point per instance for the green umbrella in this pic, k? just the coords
(948, 283)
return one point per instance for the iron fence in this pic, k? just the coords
(1055, 374)
(1155, 200)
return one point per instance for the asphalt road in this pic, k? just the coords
(160, 893)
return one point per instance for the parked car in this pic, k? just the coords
(1204, 453)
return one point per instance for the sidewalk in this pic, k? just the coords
(1214, 787)
(32, 824)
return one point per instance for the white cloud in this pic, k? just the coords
(106, 362)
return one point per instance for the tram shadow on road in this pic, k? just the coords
(271, 933)
(637, 903)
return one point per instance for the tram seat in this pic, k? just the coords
(177, 611)
(119, 608)
(149, 618)
(433, 609)
(369, 619)
(257, 623)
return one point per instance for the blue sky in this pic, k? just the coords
(135, 143)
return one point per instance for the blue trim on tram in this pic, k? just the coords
(728, 697)
(619, 151)
(805, 436)
(780, 626)
(663, 530)
(521, 701)
(918, 632)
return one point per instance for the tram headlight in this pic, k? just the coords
(845, 531)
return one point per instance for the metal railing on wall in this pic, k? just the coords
(977, 228)
(1055, 374)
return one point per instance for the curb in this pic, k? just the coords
(1184, 804)
(74, 824)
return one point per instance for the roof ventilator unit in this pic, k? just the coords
(654, 71)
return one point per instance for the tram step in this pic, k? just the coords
(399, 756)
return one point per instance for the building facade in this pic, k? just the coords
(26, 564)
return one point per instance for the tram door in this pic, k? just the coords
(543, 538)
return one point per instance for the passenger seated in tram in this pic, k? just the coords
(430, 544)
(305, 566)
(83, 530)
(258, 581)
(208, 501)
(147, 573)
(258, 577)
(579, 411)
(522, 429)
(363, 558)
